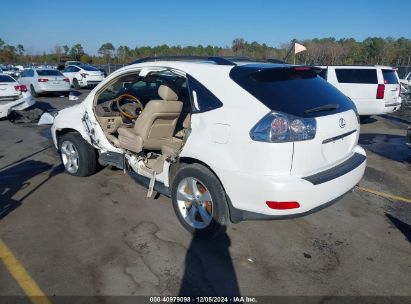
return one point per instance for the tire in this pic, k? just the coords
(33, 91)
(66, 94)
(76, 85)
(79, 158)
(205, 182)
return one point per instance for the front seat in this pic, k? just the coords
(156, 124)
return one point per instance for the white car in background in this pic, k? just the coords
(82, 76)
(69, 62)
(13, 96)
(374, 90)
(40, 81)
(225, 141)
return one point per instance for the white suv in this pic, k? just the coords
(375, 90)
(224, 141)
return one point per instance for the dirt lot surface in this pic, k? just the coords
(100, 236)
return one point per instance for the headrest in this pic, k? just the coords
(167, 93)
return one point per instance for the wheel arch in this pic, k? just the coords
(63, 131)
(234, 217)
(191, 160)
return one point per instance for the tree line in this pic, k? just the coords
(324, 51)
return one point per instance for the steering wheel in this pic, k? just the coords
(127, 112)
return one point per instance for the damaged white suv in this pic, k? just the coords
(225, 141)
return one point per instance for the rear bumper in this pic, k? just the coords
(20, 104)
(85, 83)
(377, 106)
(392, 107)
(248, 202)
(58, 88)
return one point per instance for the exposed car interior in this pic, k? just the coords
(146, 115)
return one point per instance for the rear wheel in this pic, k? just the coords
(77, 156)
(33, 91)
(199, 201)
(76, 85)
(66, 94)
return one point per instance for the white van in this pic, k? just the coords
(374, 89)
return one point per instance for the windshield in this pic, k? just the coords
(5, 78)
(293, 90)
(49, 73)
(390, 77)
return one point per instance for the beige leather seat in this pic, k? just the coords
(156, 124)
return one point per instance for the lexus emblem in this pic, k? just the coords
(342, 123)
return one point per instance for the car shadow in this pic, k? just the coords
(396, 119)
(401, 226)
(209, 269)
(367, 120)
(17, 177)
(42, 105)
(75, 92)
(389, 146)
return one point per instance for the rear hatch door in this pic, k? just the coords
(392, 86)
(335, 139)
(300, 92)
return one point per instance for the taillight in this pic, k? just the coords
(66, 80)
(280, 127)
(43, 80)
(380, 91)
(83, 75)
(282, 205)
(21, 88)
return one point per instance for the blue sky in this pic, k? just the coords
(39, 25)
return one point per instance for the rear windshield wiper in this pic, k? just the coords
(327, 107)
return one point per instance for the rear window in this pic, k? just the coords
(49, 73)
(88, 68)
(390, 77)
(5, 78)
(291, 91)
(357, 76)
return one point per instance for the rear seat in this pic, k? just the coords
(174, 145)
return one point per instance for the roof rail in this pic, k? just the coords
(215, 59)
(243, 59)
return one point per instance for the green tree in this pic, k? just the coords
(20, 49)
(77, 51)
(123, 54)
(66, 49)
(238, 46)
(107, 50)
